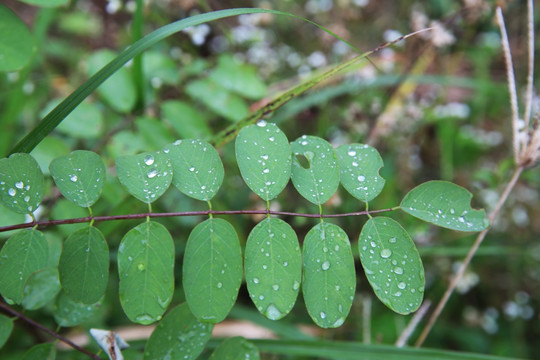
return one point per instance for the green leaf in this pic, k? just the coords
(41, 352)
(55, 243)
(359, 166)
(185, 120)
(317, 178)
(145, 266)
(146, 176)
(235, 348)
(85, 122)
(263, 154)
(212, 271)
(444, 204)
(80, 176)
(16, 42)
(329, 279)
(41, 287)
(239, 78)
(178, 336)
(160, 68)
(69, 313)
(23, 254)
(21, 183)
(154, 132)
(46, 3)
(392, 264)
(6, 326)
(49, 149)
(7, 218)
(198, 170)
(119, 90)
(65, 209)
(273, 267)
(84, 265)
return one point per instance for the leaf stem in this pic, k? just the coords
(210, 215)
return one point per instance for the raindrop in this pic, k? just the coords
(261, 123)
(272, 312)
(398, 270)
(339, 322)
(19, 184)
(402, 285)
(12, 192)
(140, 267)
(392, 240)
(386, 253)
(256, 280)
(148, 160)
(73, 178)
(352, 153)
(325, 265)
(323, 315)
(27, 198)
(192, 169)
(361, 178)
(275, 287)
(152, 173)
(219, 285)
(266, 171)
(296, 285)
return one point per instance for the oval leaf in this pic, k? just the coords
(317, 177)
(146, 176)
(392, 264)
(329, 278)
(21, 183)
(273, 267)
(198, 170)
(6, 326)
(212, 271)
(446, 205)
(236, 348)
(263, 154)
(41, 352)
(145, 265)
(359, 167)
(69, 313)
(80, 176)
(179, 336)
(41, 287)
(84, 265)
(16, 41)
(23, 254)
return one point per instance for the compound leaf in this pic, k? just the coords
(263, 154)
(359, 167)
(80, 176)
(329, 279)
(21, 183)
(212, 271)
(198, 170)
(69, 313)
(392, 264)
(146, 176)
(178, 336)
(444, 204)
(40, 288)
(84, 265)
(16, 42)
(6, 326)
(317, 178)
(235, 348)
(273, 266)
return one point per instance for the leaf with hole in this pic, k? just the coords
(392, 264)
(178, 336)
(198, 170)
(45, 351)
(16, 42)
(6, 327)
(41, 288)
(21, 183)
(263, 154)
(315, 170)
(273, 266)
(68, 313)
(84, 265)
(146, 269)
(359, 167)
(146, 176)
(23, 254)
(212, 271)
(235, 348)
(329, 278)
(80, 176)
(446, 205)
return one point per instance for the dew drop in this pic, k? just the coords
(192, 169)
(74, 178)
(148, 160)
(351, 153)
(386, 253)
(402, 285)
(339, 322)
(140, 267)
(325, 265)
(152, 173)
(219, 285)
(12, 192)
(296, 285)
(322, 315)
(275, 287)
(398, 270)
(19, 184)
(392, 240)
(361, 178)
(261, 123)
(272, 312)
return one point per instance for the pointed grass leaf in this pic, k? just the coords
(45, 351)
(80, 176)
(198, 170)
(446, 205)
(46, 3)
(6, 327)
(16, 42)
(212, 271)
(315, 170)
(329, 278)
(68, 313)
(263, 154)
(40, 288)
(146, 176)
(23, 254)
(236, 348)
(145, 266)
(179, 336)
(21, 183)
(359, 167)
(273, 266)
(392, 264)
(84, 265)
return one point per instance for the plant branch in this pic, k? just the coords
(411, 326)
(46, 223)
(530, 75)
(442, 303)
(54, 334)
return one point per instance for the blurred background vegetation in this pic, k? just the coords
(436, 107)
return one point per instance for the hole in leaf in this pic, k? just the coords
(303, 161)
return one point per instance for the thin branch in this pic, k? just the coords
(442, 303)
(418, 316)
(11, 311)
(41, 224)
(530, 37)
